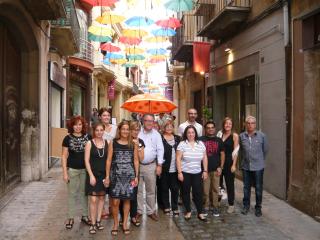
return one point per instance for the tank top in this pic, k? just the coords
(228, 147)
(98, 157)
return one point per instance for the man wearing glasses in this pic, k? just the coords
(192, 116)
(254, 147)
(150, 166)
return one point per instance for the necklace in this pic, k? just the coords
(100, 155)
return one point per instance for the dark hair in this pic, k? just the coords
(184, 137)
(120, 125)
(73, 121)
(210, 122)
(102, 110)
(95, 127)
(224, 122)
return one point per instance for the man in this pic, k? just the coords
(254, 148)
(192, 116)
(216, 157)
(150, 166)
(94, 116)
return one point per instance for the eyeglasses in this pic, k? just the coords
(251, 123)
(149, 121)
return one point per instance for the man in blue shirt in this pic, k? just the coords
(254, 147)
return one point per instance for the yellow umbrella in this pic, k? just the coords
(118, 61)
(156, 39)
(134, 33)
(108, 18)
(134, 50)
(101, 30)
(158, 57)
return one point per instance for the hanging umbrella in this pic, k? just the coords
(136, 57)
(129, 64)
(156, 39)
(106, 61)
(105, 3)
(100, 33)
(130, 40)
(137, 33)
(109, 18)
(134, 50)
(139, 21)
(149, 103)
(157, 51)
(118, 61)
(168, 32)
(110, 56)
(108, 47)
(169, 23)
(157, 59)
(179, 5)
(99, 38)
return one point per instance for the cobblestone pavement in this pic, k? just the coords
(37, 211)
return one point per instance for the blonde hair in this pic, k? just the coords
(166, 123)
(134, 125)
(224, 122)
(120, 125)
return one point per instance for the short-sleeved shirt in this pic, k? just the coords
(214, 147)
(184, 125)
(191, 157)
(76, 147)
(109, 136)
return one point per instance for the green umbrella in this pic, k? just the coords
(179, 5)
(136, 57)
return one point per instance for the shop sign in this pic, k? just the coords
(111, 89)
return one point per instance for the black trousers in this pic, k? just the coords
(229, 179)
(159, 192)
(169, 181)
(133, 205)
(195, 182)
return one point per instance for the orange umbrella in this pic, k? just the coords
(149, 103)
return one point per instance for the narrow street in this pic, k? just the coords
(36, 211)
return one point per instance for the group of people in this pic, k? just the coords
(127, 160)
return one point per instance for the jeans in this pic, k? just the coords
(195, 182)
(169, 181)
(252, 178)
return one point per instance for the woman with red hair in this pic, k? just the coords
(73, 166)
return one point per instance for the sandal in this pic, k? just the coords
(114, 232)
(135, 222)
(167, 211)
(93, 229)
(126, 231)
(69, 223)
(186, 217)
(176, 213)
(99, 225)
(86, 220)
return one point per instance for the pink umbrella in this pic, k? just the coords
(169, 23)
(108, 47)
(130, 40)
(105, 3)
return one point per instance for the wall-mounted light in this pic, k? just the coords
(227, 49)
(202, 73)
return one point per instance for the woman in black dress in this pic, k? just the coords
(122, 173)
(96, 152)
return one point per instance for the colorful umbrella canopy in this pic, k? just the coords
(139, 21)
(99, 38)
(130, 40)
(164, 32)
(111, 55)
(156, 39)
(134, 50)
(149, 103)
(94, 3)
(137, 33)
(169, 23)
(179, 5)
(109, 18)
(136, 57)
(157, 51)
(108, 47)
(101, 30)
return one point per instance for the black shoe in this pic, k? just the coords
(215, 212)
(245, 210)
(258, 212)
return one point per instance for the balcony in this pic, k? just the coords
(45, 9)
(183, 40)
(84, 58)
(204, 7)
(225, 19)
(65, 31)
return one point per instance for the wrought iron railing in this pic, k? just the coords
(86, 50)
(71, 20)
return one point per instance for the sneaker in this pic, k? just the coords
(215, 212)
(245, 210)
(258, 212)
(205, 212)
(230, 209)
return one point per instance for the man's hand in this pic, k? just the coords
(158, 170)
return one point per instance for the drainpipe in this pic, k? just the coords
(288, 74)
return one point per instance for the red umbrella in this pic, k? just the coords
(105, 3)
(108, 47)
(169, 23)
(130, 40)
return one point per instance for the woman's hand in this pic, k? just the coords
(219, 171)
(204, 175)
(106, 182)
(180, 177)
(136, 182)
(233, 168)
(136, 142)
(66, 177)
(93, 181)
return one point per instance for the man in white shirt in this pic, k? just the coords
(150, 166)
(192, 116)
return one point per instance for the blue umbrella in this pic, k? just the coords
(157, 51)
(136, 57)
(179, 5)
(106, 61)
(111, 55)
(165, 32)
(139, 21)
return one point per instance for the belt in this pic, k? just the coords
(148, 163)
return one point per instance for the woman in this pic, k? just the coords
(74, 171)
(135, 128)
(231, 145)
(109, 135)
(169, 177)
(96, 152)
(190, 154)
(122, 174)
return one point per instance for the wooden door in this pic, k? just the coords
(10, 70)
